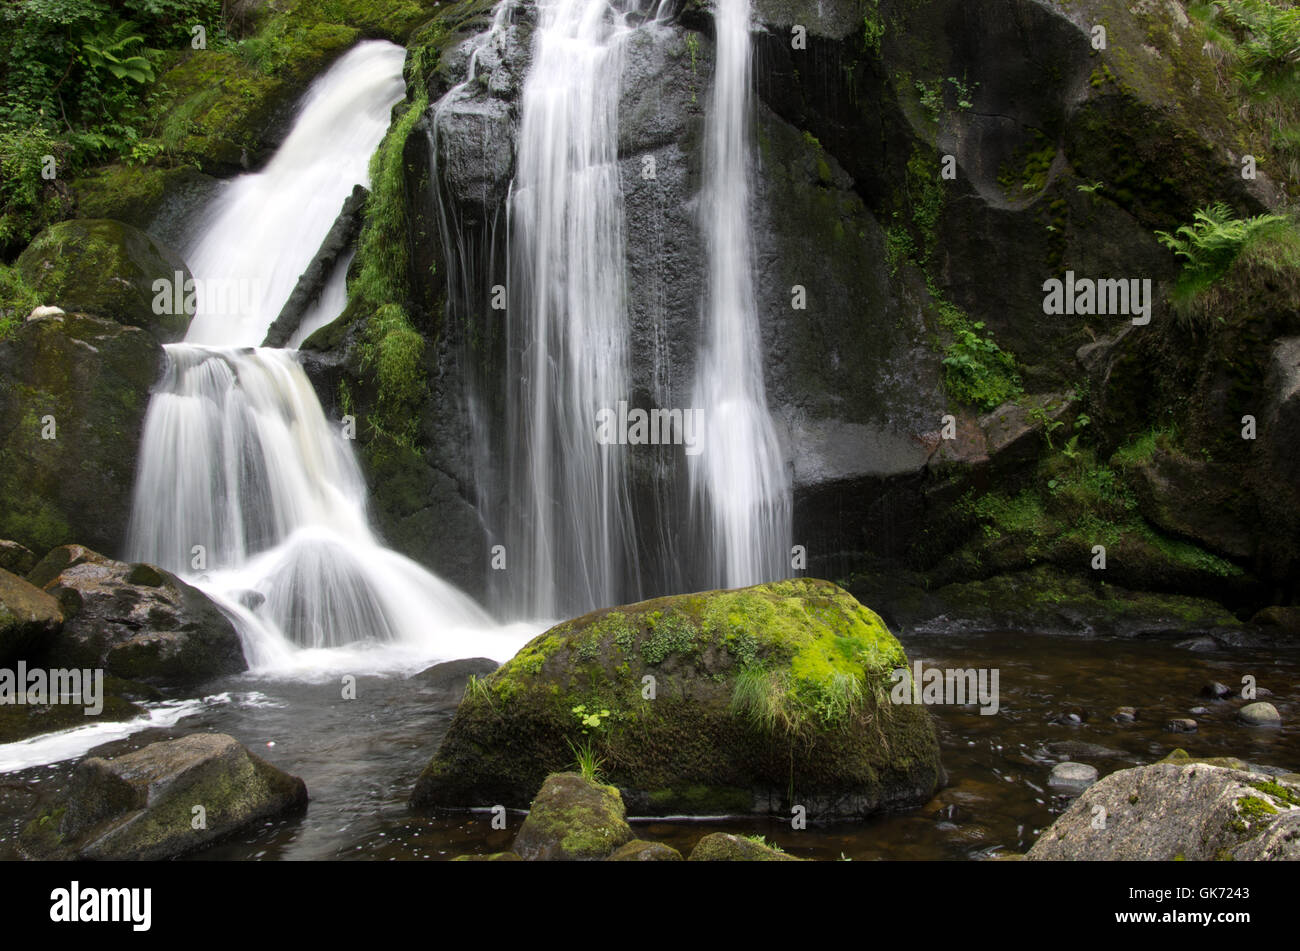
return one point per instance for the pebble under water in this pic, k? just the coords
(360, 758)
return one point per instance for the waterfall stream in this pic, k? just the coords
(740, 478)
(567, 316)
(244, 486)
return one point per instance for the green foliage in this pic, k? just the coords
(977, 372)
(590, 719)
(673, 634)
(16, 300)
(382, 245)
(393, 350)
(1256, 45)
(587, 760)
(873, 27)
(1216, 240)
(116, 47)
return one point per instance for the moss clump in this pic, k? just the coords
(16, 300)
(1025, 174)
(393, 350)
(1285, 794)
(680, 735)
(1251, 811)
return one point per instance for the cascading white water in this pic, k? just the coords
(258, 237)
(740, 479)
(568, 320)
(244, 487)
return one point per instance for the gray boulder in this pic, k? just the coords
(162, 801)
(135, 621)
(1168, 811)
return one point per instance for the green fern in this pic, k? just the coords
(112, 48)
(1214, 241)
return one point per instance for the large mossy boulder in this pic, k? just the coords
(73, 392)
(1178, 811)
(106, 268)
(743, 701)
(162, 801)
(135, 621)
(29, 617)
(573, 819)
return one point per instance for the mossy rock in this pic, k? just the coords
(141, 806)
(725, 847)
(28, 617)
(106, 268)
(74, 390)
(639, 850)
(573, 819)
(742, 701)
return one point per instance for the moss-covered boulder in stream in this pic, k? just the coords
(573, 819)
(748, 700)
(725, 847)
(106, 268)
(73, 392)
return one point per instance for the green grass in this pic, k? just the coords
(588, 763)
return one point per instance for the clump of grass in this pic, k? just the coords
(588, 762)
(769, 701)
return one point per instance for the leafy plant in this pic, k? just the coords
(116, 48)
(1215, 241)
(978, 371)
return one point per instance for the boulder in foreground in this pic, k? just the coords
(1178, 811)
(145, 805)
(725, 702)
(573, 819)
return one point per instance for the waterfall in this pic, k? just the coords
(567, 319)
(244, 487)
(739, 481)
(256, 239)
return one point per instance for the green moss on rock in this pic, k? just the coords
(683, 741)
(106, 268)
